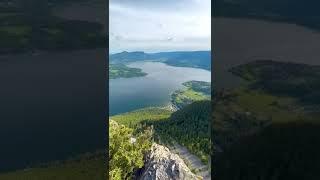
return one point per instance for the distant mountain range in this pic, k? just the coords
(289, 11)
(196, 59)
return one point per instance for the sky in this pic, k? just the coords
(159, 25)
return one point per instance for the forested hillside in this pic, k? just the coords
(189, 126)
(195, 59)
(265, 128)
(280, 151)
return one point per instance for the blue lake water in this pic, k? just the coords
(127, 94)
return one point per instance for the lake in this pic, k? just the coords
(268, 40)
(127, 94)
(52, 106)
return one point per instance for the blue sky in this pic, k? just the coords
(159, 25)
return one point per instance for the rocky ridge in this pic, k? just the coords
(162, 164)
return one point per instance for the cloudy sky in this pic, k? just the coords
(159, 25)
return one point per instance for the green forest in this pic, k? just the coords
(126, 150)
(31, 25)
(189, 126)
(123, 71)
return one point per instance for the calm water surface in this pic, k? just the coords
(52, 107)
(127, 94)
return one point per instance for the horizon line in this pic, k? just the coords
(159, 51)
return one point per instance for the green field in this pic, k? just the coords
(123, 71)
(147, 114)
(85, 167)
(193, 91)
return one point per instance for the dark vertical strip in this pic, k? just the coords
(213, 86)
(53, 88)
(106, 120)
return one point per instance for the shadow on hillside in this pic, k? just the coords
(277, 152)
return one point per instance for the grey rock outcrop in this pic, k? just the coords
(162, 164)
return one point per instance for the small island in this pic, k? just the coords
(123, 71)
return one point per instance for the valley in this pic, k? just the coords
(187, 128)
(181, 121)
(163, 79)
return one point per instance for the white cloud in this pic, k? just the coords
(155, 27)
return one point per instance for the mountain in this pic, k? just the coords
(125, 57)
(158, 161)
(196, 59)
(188, 127)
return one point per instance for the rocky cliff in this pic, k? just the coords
(162, 164)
